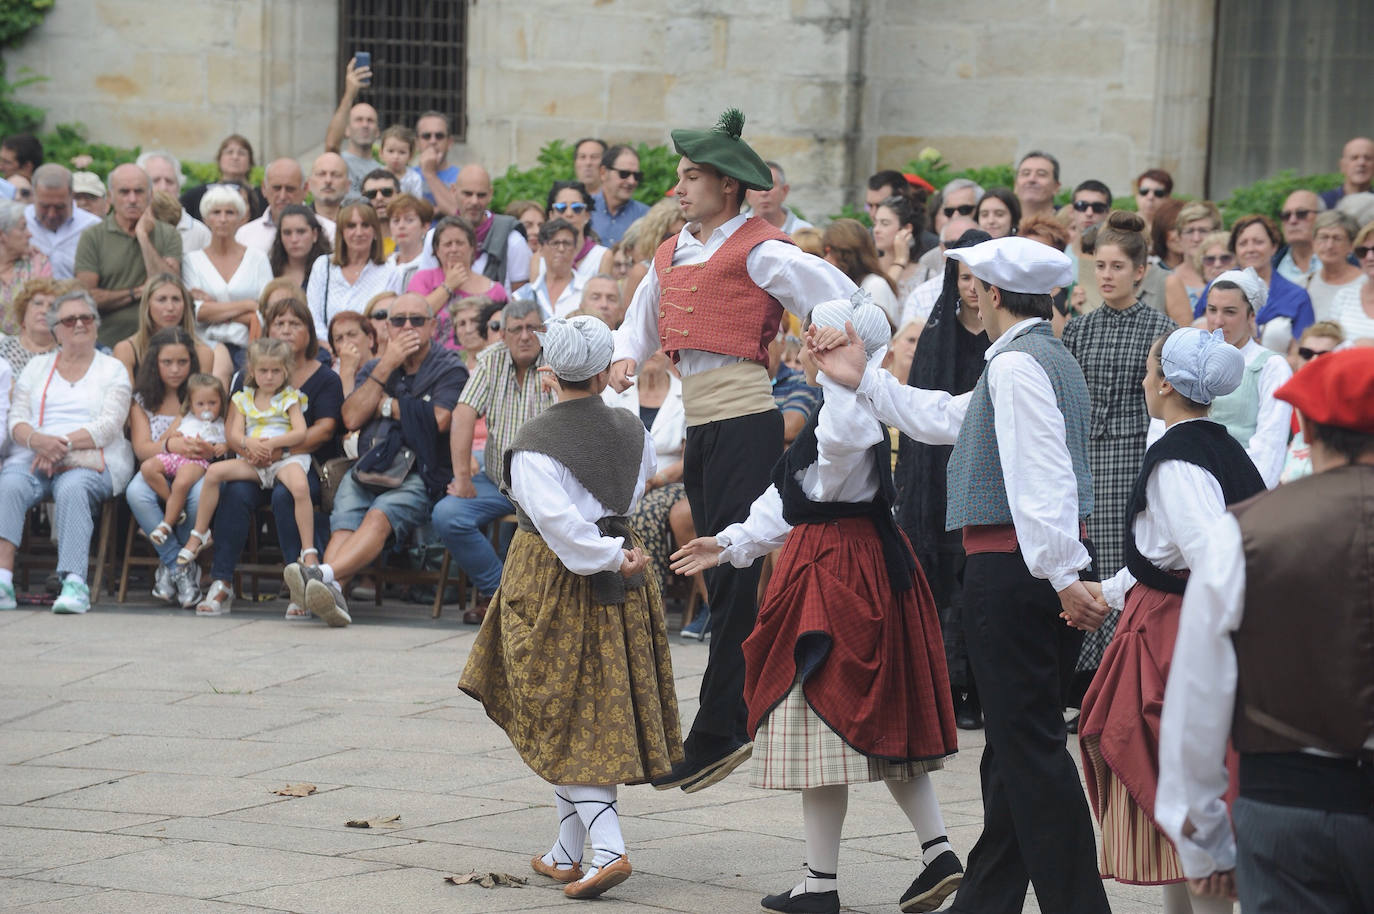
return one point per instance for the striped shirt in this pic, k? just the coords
(495, 391)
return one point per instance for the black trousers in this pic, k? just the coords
(727, 465)
(1036, 824)
(1293, 859)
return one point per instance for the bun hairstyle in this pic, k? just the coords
(1125, 230)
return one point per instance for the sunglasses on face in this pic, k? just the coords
(75, 319)
(1363, 251)
(1158, 193)
(1309, 354)
(578, 208)
(434, 136)
(494, 326)
(379, 315)
(1083, 206)
(965, 210)
(626, 174)
(415, 320)
(1287, 214)
(378, 192)
(1218, 260)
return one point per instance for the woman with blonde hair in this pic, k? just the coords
(28, 311)
(167, 303)
(1195, 222)
(662, 221)
(849, 246)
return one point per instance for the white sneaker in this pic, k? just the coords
(75, 598)
(186, 579)
(163, 588)
(7, 600)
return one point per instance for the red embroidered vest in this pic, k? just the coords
(714, 306)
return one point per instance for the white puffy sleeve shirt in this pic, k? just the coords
(1268, 447)
(566, 513)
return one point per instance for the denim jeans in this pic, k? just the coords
(460, 523)
(148, 511)
(76, 495)
(238, 504)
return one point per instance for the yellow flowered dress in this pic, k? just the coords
(270, 422)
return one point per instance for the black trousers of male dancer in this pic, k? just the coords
(726, 466)
(1036, 824)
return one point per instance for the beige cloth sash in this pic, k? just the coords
(741, 389)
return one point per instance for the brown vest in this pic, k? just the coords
(714, 306)
(1305, 647)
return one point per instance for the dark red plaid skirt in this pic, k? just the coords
(877, 672)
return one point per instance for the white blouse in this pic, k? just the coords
(1350, 314)
(328, 293)
(669, 428)
(253, 273)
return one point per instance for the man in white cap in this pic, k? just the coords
(1019, 488)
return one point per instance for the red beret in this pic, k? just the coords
(917, 181)
(1336, 389)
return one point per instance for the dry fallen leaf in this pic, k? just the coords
(375, 822)
(295, 790)
(488, 880)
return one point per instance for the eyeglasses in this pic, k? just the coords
(1096, 206)
(75, 319)
(578, 208)
(1308, 355)
(1196, 231)
(965, 210)
(562, 245)
(415, 320)
(1363, 251)
(379, 192)
(1158, 193)
(1300, 214)
(1331, 238)
(521, 331)
(626, 174)
(379, 315)
(1218, 260)
(494, 326)
(434, 136)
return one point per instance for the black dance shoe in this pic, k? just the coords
(937, 881)
(805, 903)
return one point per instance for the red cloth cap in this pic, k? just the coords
(1336, 389)
(917, 181)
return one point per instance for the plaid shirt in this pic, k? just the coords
(495, 391)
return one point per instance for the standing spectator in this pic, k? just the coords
(960, 197)
(68, 444)
(1196, 221)
(328, 185)
(455, 242)
(849, 246)
(897, 225)
(409, 218)
(28, 311)
(1353, 306)
(506, 390)
(20, 155)
(1288, 310)
(167, 303)
(1298, 217)
(1333, 241)
(616, 208)
(1214, 257)
(1037, 181)
(1166, 242)
(1251, 414)
(88, 193)
(299, 242)
(20, 261)
(380, 187)
(226, 277)
(1357, 170)
(587, 153)
(235, 163)
(398, 146)
(884, 184)
(165, 172)
(438, 176)
(417, 385)
(284, 184)
(1152, 188)
(558, 289)
(770, 204)
(999, 213)
(570, 201)
(55, 224)
(115, 259)
(355, 272)
(1091, 202)
(502, 254)
(918, 305)
(353, 128)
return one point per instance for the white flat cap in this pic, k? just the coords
(1017, 264)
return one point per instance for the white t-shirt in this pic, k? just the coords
(1350, 314)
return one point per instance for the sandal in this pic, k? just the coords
(295, 613)
(160, 533)
(186, 555)
(311, 551)
(219, 601)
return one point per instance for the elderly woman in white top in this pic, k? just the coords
(558, 289)
(225, 277)
(357, 270)
(66, 424)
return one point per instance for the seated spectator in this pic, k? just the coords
(1152, 188)
(225, 278)
(1294, 259)
(353, 128)
(1333, 240)
(410, 405)
(469, 330)
(455, 244)
(159, 394)
(530, 214)
(409, 219)
(1195, 222)
(328, 185)
(397, 149)
(355, 272)
(897, 226)
(796, 399)
(662, 221)
(770, 205)
(55, 223)
(616, 208)
(1254, 241)
(19, 260)
(167, 303)
(1214, 257)
(1318, 339)
(902, 350)
(1357, 170)
(507, 391)
(379, 317)
(88, 193)
(558, 288)
(622, 258)
(67, 444)
(569, 200)
(115, 258)
(1353, 306)
(656, 398)
(291, 322)
(601, 297)
(849, 246)
(1037, 182)
(380, 187)
(28, 311)
(353, 342)
(998, 213)
(235, 163)
(284, 184)
(165, 172)
(20, 154)
(300, 241)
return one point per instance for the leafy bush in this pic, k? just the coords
(69, 140)
(1266, 195)
(17, 17)
(16, 116)
(555, 163)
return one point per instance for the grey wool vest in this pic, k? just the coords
(977, 492)
(494, 246)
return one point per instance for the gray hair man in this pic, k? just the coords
(164, 170)
(55, 224)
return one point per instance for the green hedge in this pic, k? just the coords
(555, 163)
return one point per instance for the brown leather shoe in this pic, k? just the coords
(547, 869)
(608, 877)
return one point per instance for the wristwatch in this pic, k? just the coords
(386, 407)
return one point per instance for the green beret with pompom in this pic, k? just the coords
(721, 148)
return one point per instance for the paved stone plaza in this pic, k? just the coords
(141, 748)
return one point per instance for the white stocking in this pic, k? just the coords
(572, 834)
(596, 809)
(823, 811)
(1178, 900)
(917, 799)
